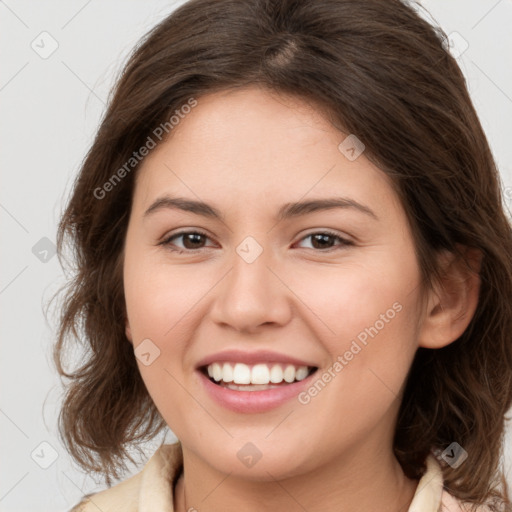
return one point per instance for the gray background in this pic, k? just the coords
(50, 108)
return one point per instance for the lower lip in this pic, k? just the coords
(253, 401)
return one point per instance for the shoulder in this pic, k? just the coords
(451, 504)
(150, 486)
(432, 495)
(123, 494)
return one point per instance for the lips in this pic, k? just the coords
(251, 397)
(259, 399)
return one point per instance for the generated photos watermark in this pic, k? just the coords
(356, 346)
(137, 156)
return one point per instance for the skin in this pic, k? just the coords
(247, 152)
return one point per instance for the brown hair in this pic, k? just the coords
(381, 72)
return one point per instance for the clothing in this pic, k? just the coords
(151, 490)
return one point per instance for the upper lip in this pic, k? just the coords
(261, 356)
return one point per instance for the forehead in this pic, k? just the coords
(253, 147)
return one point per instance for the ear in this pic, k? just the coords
(453, 300)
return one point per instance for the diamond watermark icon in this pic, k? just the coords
(454, 455)
(44, 455)
(249, 454)
(147, 352)
(44, 250)
(455, 44)
(249, 250)
(44, 45)
(351, 147)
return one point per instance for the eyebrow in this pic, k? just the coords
(287, 211)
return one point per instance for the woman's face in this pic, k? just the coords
(268, 283)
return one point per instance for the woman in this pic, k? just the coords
(291, 250)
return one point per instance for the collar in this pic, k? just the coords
(164, 467)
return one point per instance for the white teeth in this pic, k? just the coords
(227, 373)
(258, 375)
(289, 373)
(217, 371)
(276, 374)
(241, 374)
(301, 373)
(255, 387)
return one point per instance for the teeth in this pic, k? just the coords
(227, 373)
(255, 387)
(241, 374)
(258, 375)
(289, 373)
(276, 374)
(301, 373)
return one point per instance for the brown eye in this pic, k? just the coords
(322, 241)
(326, 241)
(191, 240)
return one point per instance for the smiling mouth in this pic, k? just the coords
(258, 377)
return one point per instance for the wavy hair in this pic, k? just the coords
(377, 69)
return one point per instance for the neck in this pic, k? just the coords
(353, 483)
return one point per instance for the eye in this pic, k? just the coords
(192, 240)
(323, 240)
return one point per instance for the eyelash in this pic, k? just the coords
(167, 241)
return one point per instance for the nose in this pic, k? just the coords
(252, 294)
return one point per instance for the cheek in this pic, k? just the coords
(162, 302)
(366, 318)
(357, 296)
(159, 301)
(371, 353)
(159, 297)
